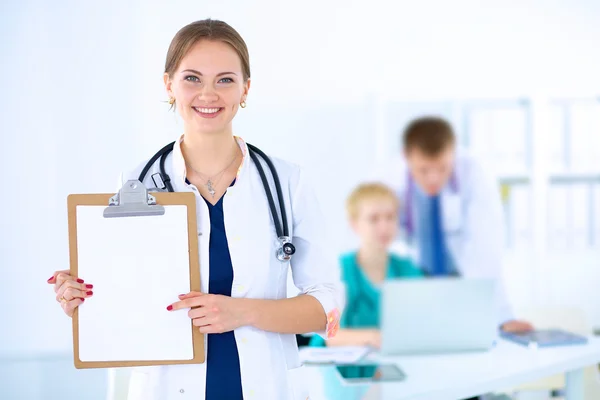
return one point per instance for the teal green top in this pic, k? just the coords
(362, 296)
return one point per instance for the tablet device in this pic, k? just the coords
(361, 373)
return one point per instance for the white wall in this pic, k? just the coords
(83, 99)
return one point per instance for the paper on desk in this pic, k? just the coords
(138, 266)
(338, 355)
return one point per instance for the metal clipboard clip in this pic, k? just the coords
(133, 200)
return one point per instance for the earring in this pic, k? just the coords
(243, 104)
(171, 100)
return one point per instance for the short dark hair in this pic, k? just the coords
(431, 135)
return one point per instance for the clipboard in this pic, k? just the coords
(100, 222)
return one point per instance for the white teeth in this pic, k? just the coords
(207, 110)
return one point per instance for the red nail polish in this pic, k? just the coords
(79, 280)
(82, 300)
(90, 293)
(169, 308)
(52, 277)
(89, 286)
(181, 295)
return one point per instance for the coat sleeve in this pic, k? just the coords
(315, 269)
(481, 252)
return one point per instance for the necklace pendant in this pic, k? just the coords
(210, 187)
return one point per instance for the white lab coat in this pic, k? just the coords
(472, 220)
(269, 362)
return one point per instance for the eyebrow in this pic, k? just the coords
(200, 73)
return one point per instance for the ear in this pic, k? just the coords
(246, 90)
(168, 85)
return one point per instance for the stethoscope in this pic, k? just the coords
(286, 249)
(407, 219)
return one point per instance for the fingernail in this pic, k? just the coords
(82, 300)
(90, 293)
(169, 308)
(89, 286)
(52, 277)
(79, 280)
(181, 295)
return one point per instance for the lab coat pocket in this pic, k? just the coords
(297, 384)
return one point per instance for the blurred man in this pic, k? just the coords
(451, 214)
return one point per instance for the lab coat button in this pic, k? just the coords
(236, 288)
(181, 391)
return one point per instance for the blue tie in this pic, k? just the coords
(438, 256)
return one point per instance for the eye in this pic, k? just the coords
(192, 78)
(226, 80)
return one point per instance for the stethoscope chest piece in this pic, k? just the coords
(286, 249)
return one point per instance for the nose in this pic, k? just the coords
(434, 177)
(208, 94)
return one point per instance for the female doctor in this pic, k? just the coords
(249, 322)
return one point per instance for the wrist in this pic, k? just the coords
(249, 312)
(372, 337)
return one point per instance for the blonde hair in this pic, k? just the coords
(369, 191)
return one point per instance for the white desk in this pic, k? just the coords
(459, 376)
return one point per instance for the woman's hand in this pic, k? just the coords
(70, 291)
(213, 313)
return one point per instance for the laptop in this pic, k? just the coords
(438, 315)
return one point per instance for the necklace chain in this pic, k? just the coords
(210, 185)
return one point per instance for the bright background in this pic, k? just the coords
(333, 84)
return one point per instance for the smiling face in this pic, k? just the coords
(208, 87)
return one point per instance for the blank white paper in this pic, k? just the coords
(138, 266)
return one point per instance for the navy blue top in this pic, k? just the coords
(223, 377)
